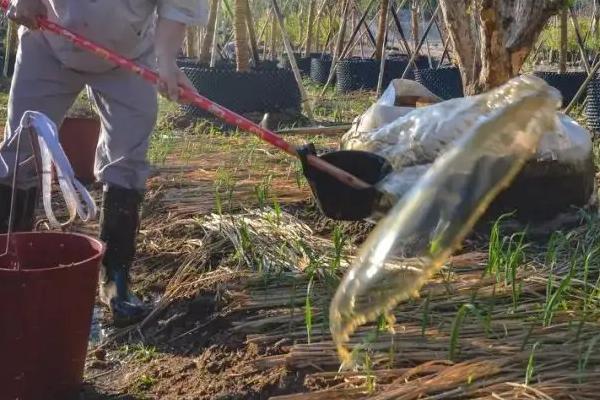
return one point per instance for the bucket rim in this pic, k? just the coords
(96, 243)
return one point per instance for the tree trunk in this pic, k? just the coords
(251, 33)
(211, 28)
(564, 40)
(415, 22)
(241, 36)
(492, 39)
(312, 10)
(383, 15)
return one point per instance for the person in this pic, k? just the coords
(50, 72)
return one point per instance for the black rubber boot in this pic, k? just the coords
(119, 224)
(24, 212)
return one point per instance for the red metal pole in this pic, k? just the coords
(198, 100)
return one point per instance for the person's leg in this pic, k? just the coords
(128, 108)
(40, 83)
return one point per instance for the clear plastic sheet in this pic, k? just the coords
(423, 229)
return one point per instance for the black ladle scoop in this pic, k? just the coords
(337, 200)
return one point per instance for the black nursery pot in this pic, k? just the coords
(258, 90)
(319, 69)
(304, 63)
(446, 83)
(567, 83)
(363, 74)
(592, 107)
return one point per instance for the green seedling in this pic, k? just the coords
(531, 364)
(278, 212)
(308, 316)
(139, 352)
(224, 187)
(339, 242)
(145, 382)
(583, 361)
(555, 298)
(457, 324)
(262, 191)
(370, 377)
(425, 317)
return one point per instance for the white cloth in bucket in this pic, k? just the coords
(77, 198)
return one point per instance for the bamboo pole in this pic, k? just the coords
(357, 27)
(11, 43)
(401, 31)
(310, 27)
(211, 28)
(445, 52)
(383, 55)
(580, 42)
(420, 44)
(273, 38)
(562, 66)
(583, 87)
(215, 35)
(427, 39)
(251, 33)
(415, 22)
(382, 29)
(292, 60)
(339, 45)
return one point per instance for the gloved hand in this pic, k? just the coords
(26, 12)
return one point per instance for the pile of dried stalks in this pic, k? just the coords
(503, 325)
(215, 248)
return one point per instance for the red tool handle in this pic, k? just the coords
(197, 100)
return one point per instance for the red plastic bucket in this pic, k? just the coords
(79, 139)
(46, 313)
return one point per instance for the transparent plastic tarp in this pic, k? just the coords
(500, 131)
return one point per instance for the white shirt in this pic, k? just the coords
(125, 26)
